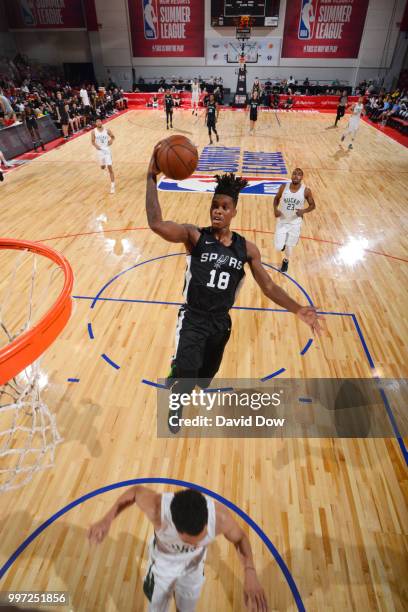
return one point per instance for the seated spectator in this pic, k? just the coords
(275, 100)
(289, 103)
(392, 110)
(177, 100)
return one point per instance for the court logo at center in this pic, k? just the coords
(263, 186)
(150, 19)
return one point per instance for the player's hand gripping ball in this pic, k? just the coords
(177, 157)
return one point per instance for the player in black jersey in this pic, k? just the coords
(169, 105)
(216, 257)
(211, 117)
(253, 111)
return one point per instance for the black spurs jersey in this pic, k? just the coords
(212, 113)
(214, 273)
(253, 108)
(169, 102)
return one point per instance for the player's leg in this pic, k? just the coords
(339, 115)
(353, 135)
(214, 350)
(191, 336)
(4, 161)
(112, 177)
(158, 585)
(215, 132)
(348, 131)
(1, 177)
(281, 236)
(291, 241)
(188, 589)
(209, 132)
(171, 118)
(167, 118)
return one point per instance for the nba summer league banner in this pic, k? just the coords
(323, 28)
(167, 28)
(45, 14)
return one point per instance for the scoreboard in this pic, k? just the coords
(264, 13)
(235, 8)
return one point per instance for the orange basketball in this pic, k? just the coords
(177, 157)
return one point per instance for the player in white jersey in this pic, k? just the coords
(102, 139)
(356, 111)
(185, 523)
(290, 213)
(195, 96)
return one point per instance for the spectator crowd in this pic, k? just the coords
(71, 108)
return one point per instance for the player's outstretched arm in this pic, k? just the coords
(169, 230)
(307, 314)
(254, 595)
(147, 500)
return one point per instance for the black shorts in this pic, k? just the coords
(340, 111)
(200, 343)
(253, 115)
(32, 124)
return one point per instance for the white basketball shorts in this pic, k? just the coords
(105, 157)
(286, 234)
(173, 575)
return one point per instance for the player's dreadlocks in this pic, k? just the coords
(229, 184)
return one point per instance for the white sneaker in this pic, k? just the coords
(112, 188)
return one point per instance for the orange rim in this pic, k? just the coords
(28, 347)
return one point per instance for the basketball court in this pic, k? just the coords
(334, 510)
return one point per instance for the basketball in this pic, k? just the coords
(177, 157)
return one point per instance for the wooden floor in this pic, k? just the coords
(336, 510)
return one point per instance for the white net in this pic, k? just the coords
(28, 430)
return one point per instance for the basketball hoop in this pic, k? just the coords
(28, 432)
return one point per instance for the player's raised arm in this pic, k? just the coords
(169, 230)
(307, 314)
(254, 595)
(147, 500)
